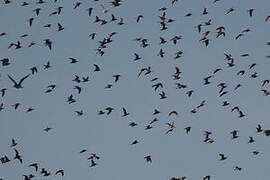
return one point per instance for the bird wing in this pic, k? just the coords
(12, 79)
(24, 78)
(17, 153)
(124, 111)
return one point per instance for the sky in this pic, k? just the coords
(175, 154)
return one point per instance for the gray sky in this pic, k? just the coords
(175, 154)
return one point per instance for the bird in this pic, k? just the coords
(187, 129)
(162, 40)
(35, 165)
(1, 106)
(201, 104)
(134, 142)
(156, 112)
(121, 22)
(161, 53)
(33, 70)
(264, 82)
(132, 124)
(147, 127)
(109, 109)
(162, 95)
(79, 113)
(83, 150)
(222, 156)
(117, 76)
(241, 72)
(13, 143)
(93, 163)
(18, 85)
(237, 168)
(173, 112)
(189, 93)
(153, 120)
(26, 177)
(157, 85)
(234, 134)
(18, 156)
(206, 80)
(265, 92)
(85, 79)
(47, 129)
(267, 132)
(5, 62)
(60, 171)
(48, 43)
(148, 158)
(92, 36)
(237, 86)
(173, 1)
(251, 140)
(206, 177)
(37, 10)
(76, 5)
(225, 103)
(16, 105)
(30, 20)
(97, 68)
(259, 128)
(217, 70)
(89, 11)
(250, 12)
(241, 114)
(104, 10)
(116, 3)
(60, 27)
(3, 91)
(24, 4)
(78, 88)
(29, 109)
(138, 18)
(125, 113)
(137, 57)
(256, 152)
(230, 10)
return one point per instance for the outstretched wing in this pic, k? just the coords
(60, 171)
(24, 78)
(16, 152)
(12, 79)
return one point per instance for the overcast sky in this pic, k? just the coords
(175, 154)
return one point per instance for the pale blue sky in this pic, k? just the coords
(173, 155)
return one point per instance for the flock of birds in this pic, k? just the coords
(98, 15)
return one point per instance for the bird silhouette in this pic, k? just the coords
(35, 165)
(60, 171)
(18, 156)
(13, 143)
(148, 158)
(125, 113)
(18, 85)
(222, 157)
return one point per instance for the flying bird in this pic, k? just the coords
(125, 113)
(148, 158)
(13, 143)
(222, 157)
(17, 156)
(60, 171)
(18, 85)
(35, 165)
